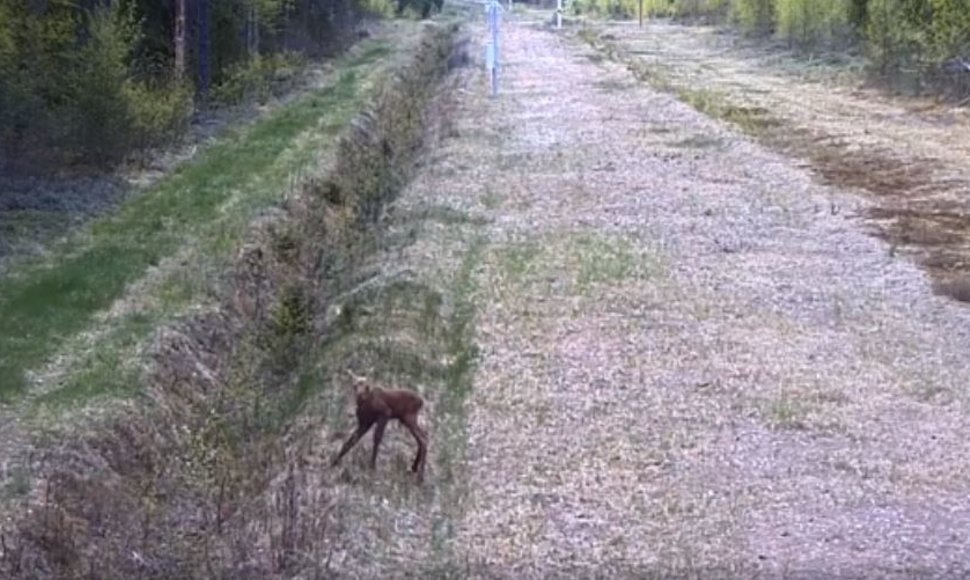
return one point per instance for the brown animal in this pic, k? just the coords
(376, 406)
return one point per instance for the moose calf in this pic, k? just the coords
(376, 406)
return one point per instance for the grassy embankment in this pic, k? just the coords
(182, 230)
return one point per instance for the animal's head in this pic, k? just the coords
(359, 384)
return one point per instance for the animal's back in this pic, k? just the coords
(403, 402)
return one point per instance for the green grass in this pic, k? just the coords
(21, 227)
(584, 261)
(207, 202)
(787, 413)
(518, 259)
(755, 121)
(603, 260)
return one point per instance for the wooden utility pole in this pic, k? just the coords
(180, 40)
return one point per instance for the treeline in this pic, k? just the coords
(924, 39)
(87, 81)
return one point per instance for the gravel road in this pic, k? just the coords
(695, 361)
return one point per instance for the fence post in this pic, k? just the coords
(493, 11)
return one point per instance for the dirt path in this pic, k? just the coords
(689, 364)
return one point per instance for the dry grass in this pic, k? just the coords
(860, 145)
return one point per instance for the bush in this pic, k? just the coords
(423, 8)
(384, 8)
(699, 7)
(617, 9)
(897, 35)
(157, 115)
(754, 16)
(87, 106)
(98, 110)
(811, 22)
(949, 33)
(630, 8)
(112, 112)
(258, 78)
(32, 106)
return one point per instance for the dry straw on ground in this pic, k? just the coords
(690, 364)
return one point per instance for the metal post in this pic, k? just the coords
(641, 13)
(558, 13)
(493, 11)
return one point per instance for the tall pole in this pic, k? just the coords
(641, 13)
(493, 12)
(558, 13)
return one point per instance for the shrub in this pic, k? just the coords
(258, 78)
(385, 8)
(157, 115)
(810, 22)
(699, 7)
(754, 16)
(32, 105)
(98, 110)
(897, 34)
(949, 33)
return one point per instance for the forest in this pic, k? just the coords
(86, 82)
(925, 39)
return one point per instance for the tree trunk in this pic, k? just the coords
(203, 23)
(252, 30)
(180, 40)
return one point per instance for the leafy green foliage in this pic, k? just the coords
(949, 33)
(913, 38)
(98, 110)
(661, 8)
(259, 78)
(422, 7)
(106, 87)
(896, 33)
(818, 21)
(87, 106)
(754, 16)
(156, 115)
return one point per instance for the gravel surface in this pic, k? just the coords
(691, 365)
(911, 155)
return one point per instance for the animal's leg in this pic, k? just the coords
(411, 422)
(378, 435)
(362, 428)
